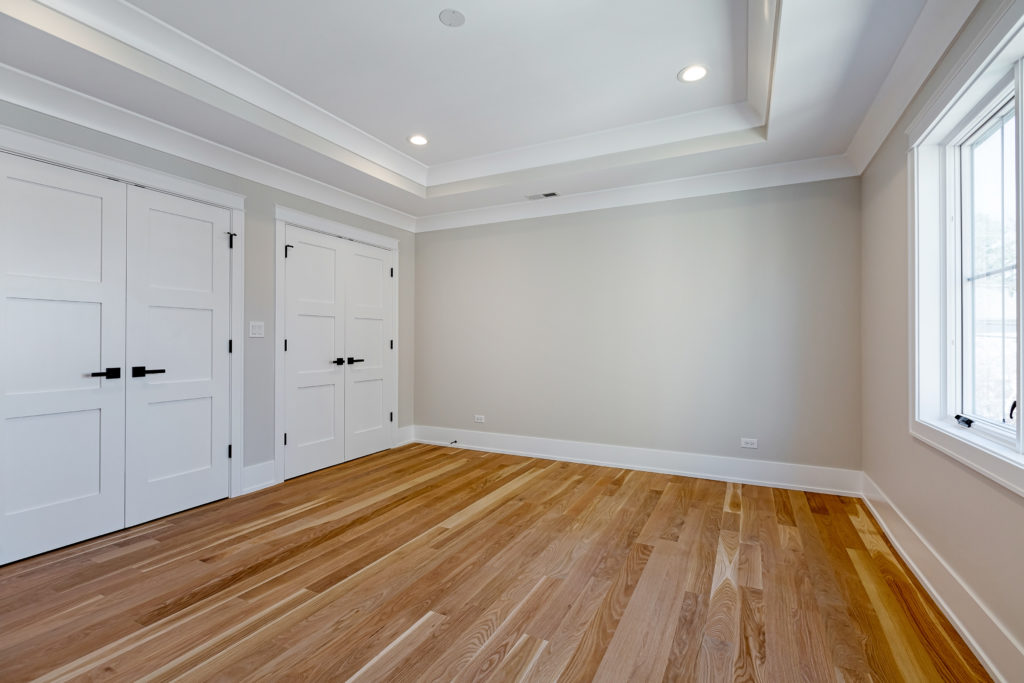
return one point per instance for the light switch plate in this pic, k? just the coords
(256, 328)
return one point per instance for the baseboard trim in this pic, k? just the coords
(1001, 653)
(404, 436)
(258, 476)
(721, 468)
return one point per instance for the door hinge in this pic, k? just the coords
(229, 451)
(286, 438)
(392, 272)
(285, 344)
(391, 417)
(231, 239)
(286, 248)
(230, 350)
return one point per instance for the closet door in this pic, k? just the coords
(177, 349)
(314, 361)
(62, 318)
(369, 329)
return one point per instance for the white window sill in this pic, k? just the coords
(988, 457)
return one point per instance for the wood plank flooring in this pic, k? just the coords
(428, 563)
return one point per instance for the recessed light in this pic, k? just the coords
(417, 140)
(452, 18)
(692, 73)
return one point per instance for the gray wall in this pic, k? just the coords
(681, 325)
(972, 522)
(259, 265)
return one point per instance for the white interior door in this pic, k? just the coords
(369, 331)
(62, 318)
(178, 329)
(314, 330)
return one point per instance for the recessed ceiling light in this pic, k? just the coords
(418, 140)
(452, 18)
(692, 73)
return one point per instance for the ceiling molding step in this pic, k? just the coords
(710, 143)
(136, 41)
(54, 100)
(774, 175)
(938, 24)
(763, 19)
(627, 139)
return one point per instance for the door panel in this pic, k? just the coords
(178, 321)
(314, 328)
(369, 327)
(62, 317)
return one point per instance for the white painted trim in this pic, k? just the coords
(720, 468)
(237, 352)
(279, 378)
(934, 30)
(404, 436)
(324, 225)
(789, 173)
(65, 155)
(258, 476)
(997, 649)
(31, 92)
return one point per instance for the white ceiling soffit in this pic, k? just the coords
(824, 84)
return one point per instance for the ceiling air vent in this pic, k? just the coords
(544, 195)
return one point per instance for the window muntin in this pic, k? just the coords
(987, 342)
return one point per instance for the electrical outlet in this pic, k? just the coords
(256, 328)
(478, 418)
(747, 442)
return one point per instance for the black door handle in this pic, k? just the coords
(141, 371)
(352, 360)
(109, 373)
(338, 361)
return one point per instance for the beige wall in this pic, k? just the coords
(975, 524)
(681, 325)
(259, 265)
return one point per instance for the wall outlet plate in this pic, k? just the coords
(747, 442)
(256, 328)
(478, 418)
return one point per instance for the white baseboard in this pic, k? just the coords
(994, 645)
(722, 468)
(404, 435)
(258, 476)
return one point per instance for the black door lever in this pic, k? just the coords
(338, 361)
(352, 360)
(141, 371)
(109, 373)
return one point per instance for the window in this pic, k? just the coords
(986, 256)
(966, 159)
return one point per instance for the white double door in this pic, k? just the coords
(339, 362)
(114, 310)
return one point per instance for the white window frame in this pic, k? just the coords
(991, 74)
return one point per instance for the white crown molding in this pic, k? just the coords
(718, 467)
(993, 643)
(938, 24)
(775, 175)
(34, 93)
(138, 41)
(640, 137)
(134, 39)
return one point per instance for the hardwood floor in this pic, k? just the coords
(426, 563)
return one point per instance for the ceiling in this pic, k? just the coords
(578, 97)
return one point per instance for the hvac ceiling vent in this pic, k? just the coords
(545, 195)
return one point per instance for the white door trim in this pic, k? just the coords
(286, 216)
(77, 159)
